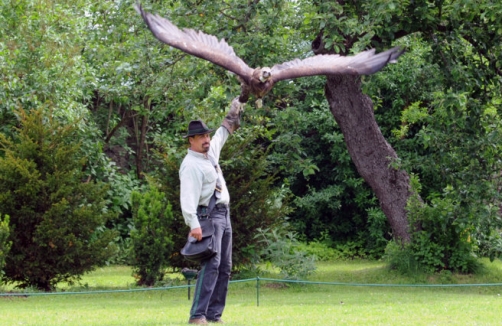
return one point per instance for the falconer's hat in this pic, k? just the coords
(197, 127)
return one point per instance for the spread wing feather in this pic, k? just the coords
(364, 63)
(196, 43)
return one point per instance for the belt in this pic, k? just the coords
(221, 206)
(202, 210)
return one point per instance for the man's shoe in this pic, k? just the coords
(198, 321)
(216, 321)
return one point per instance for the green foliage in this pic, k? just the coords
(443, 238)
(41, 61)
(4, 243)
(441, 241)
(119, 201)
(282, 250)
(320, 251)
(439, 108)
(402, 259)
(123, 254)
(56, 219)
(331, 201)
(152, 243)
(376, 237)
(443, 119)
(467, 158)
(418, 259)
(255, 203)
(41, 57)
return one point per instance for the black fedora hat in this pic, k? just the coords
(197, 127)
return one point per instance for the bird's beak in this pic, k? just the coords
(265, 75)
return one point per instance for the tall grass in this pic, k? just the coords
(279, 304)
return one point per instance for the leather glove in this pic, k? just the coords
(232, 121)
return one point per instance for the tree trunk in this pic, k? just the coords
(370, 152)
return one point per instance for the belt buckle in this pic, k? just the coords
(203, 213)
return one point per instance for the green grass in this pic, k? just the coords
(279, 304)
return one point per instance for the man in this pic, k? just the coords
(203, 191)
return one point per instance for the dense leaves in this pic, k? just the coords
(448, 132)
(151, 237)
(56, 220)
(5, 244)
(439, 108)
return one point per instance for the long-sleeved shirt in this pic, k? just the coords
(198, 179)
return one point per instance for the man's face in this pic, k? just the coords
(200, 143)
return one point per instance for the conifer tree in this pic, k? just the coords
(57, 216)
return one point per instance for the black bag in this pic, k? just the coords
(204, 249)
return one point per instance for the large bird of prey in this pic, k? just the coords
(259, 81)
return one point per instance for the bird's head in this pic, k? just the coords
(265, 74)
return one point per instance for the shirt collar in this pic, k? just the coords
(197, 154)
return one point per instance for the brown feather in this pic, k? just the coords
(196, 43)
(363, 63)
(219, 52)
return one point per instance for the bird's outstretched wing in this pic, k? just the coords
(196, 43)
(363, 63)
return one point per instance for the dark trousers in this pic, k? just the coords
(212, 281)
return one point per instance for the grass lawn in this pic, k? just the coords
(279, 304)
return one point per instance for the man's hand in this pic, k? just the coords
(196, 233)
(233, 119)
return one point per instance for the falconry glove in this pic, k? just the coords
(233, 119)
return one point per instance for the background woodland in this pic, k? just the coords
(93, 109)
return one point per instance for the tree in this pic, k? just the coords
(100, 57)
(465, 45)
(56, 218)
(345, 27)
(41, 59)
(370, 152)
(333, 203)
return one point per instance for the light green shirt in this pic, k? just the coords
(198, 179)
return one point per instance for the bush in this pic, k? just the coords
(405, 260)
(56, 219)
(442, 238)
(152, 235)
(282, 249)
(401, 259)
(4, 243)
(320, 251)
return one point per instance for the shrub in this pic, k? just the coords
(56, 219)
(441, 239)
(320, 251)
(408, 260)
(401, 259)
(152, 235)
(282, 249)
(4, 243)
